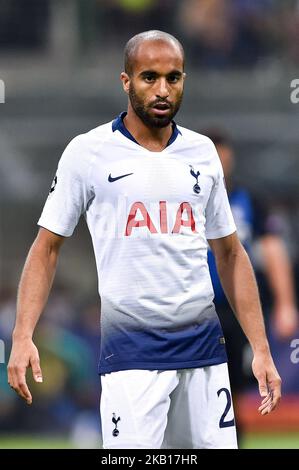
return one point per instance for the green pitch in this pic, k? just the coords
(250, 441)
(33, 442)
(271, 441)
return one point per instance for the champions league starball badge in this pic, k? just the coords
(53, 185)
(196, 187)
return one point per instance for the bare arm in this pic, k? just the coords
(238, 281)
(279, 274)
(35, 285)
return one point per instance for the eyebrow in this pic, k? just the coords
(178, 73)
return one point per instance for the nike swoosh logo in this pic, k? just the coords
(111, 179)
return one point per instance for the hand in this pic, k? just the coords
(285, 319)
(24, 354)
(269, 381)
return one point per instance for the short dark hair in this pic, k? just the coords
(152, 35)
(218, 136)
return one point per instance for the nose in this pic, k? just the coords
(162, 89)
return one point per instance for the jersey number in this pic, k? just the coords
(231, 422)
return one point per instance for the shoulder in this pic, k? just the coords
(201, 145)
(202, 150)
(196, 138)
(82, 148)
(93, 138)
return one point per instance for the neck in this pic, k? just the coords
(152, 138)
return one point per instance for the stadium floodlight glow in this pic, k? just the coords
(2, 351)
(2, 91)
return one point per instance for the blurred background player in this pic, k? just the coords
(254, 225)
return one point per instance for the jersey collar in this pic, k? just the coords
(118, 125)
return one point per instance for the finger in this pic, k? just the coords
(263, 389)
(25, 393)
(36, 370)
(13, 380)
(265, 405)
(14, 385)
(21, 385)
(268, 409)
(276, 396)
(10, 376)
(267, 398)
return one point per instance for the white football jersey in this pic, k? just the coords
(149, 215)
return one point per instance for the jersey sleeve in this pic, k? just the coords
(71, 191)
(219, 219)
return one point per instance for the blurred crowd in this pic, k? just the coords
(217, 33)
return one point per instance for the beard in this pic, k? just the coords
(143, 111)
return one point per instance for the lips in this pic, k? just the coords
(161, 108)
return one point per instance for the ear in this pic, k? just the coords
(125, 81)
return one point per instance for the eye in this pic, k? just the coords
(174, 78)
(149, 78)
